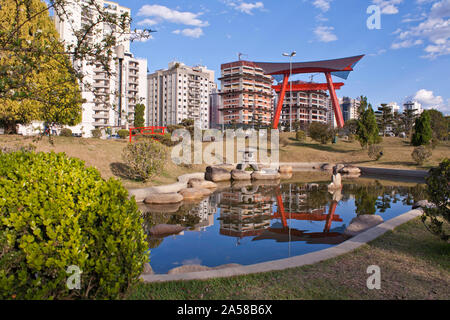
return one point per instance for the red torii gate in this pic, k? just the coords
(337, 67)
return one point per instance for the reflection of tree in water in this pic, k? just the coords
(374, 197)
(186, 216)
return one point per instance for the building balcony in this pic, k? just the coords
(100, 116)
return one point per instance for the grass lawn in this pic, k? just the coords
(397, 153)
(414, 265)
(105, 155)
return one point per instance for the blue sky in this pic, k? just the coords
(409, 57)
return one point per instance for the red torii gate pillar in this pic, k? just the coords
(334, 100)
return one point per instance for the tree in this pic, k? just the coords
(385, 118)
(408, 118)
(39, 76)
(438, 124)
(368, 132)
(363, 106)
(422, 130)
(437, 219)
(320, 132)
(139, 120)
(351, 126)
(55, 94)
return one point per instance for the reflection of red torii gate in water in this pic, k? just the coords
(329, 218)
(337, 67)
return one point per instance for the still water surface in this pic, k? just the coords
(248, 224)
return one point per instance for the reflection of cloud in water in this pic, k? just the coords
(195, 261)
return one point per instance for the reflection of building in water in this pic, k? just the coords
(205, 211)
(302, 198)
(244, 212)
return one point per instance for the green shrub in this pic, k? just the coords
(422, 130)
(56, 213)
(123, 134)
(375, 152)
(145, 159)
(171, 128)
(437, 219)
(65, 132)
(96, 133)
(165, 139)
(300, 136)
(421, 154)
(320, 132)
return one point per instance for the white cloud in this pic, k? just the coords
(325, 34)
(378, 53)
(323, 5)
(435, 30)
(245, 7)
(388, 6)
(427, 98)
(160, 14)
(147, 22)
(192, 33)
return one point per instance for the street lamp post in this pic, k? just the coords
(290, 55)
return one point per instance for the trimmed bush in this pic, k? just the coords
(96, 133)
(421, 154)
(165, 139)
(437, 218)
(300, 136)
(57, 213)
(123, 134)
(375, 152)
(65, 132)
(145, 159)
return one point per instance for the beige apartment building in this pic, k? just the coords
(247, 96)
(180, 92)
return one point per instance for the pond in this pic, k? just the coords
(252, 223)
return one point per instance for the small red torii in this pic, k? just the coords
(337, 67)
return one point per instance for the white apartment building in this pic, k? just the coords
(413, 105)
(394, 107)
(349, 108)
(180, 92)
(100, 90)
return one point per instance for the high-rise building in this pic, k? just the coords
(246, 94)
(306, 106)
(395, 108)
(180, 92)
(215, 106)
(413, 105)
(105, 93)
(350, 108)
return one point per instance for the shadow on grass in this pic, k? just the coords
(123, 171)
(321, 147)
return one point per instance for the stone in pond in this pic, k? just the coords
(165, 229)
(362, 223)
(285, 169)
(194, 193)
(201, 184)
(239, 175)
(217, 174)
(163, 198)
